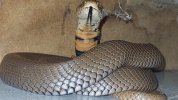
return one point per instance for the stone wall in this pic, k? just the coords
(48, 26)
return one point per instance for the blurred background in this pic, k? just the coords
(48, 26)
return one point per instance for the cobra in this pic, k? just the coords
(115, 67)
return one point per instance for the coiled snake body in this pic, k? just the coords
(114, 67)
(100, 71)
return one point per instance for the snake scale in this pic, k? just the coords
(100, 71)
(115, 67)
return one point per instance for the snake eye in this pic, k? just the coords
(96, 30)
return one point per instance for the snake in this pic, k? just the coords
(117, 67)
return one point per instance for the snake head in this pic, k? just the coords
(89, 15)
(93, 3)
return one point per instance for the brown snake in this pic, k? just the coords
(114, 67)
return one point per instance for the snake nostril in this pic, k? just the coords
(92, 24)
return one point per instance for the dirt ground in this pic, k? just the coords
(48, 26)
